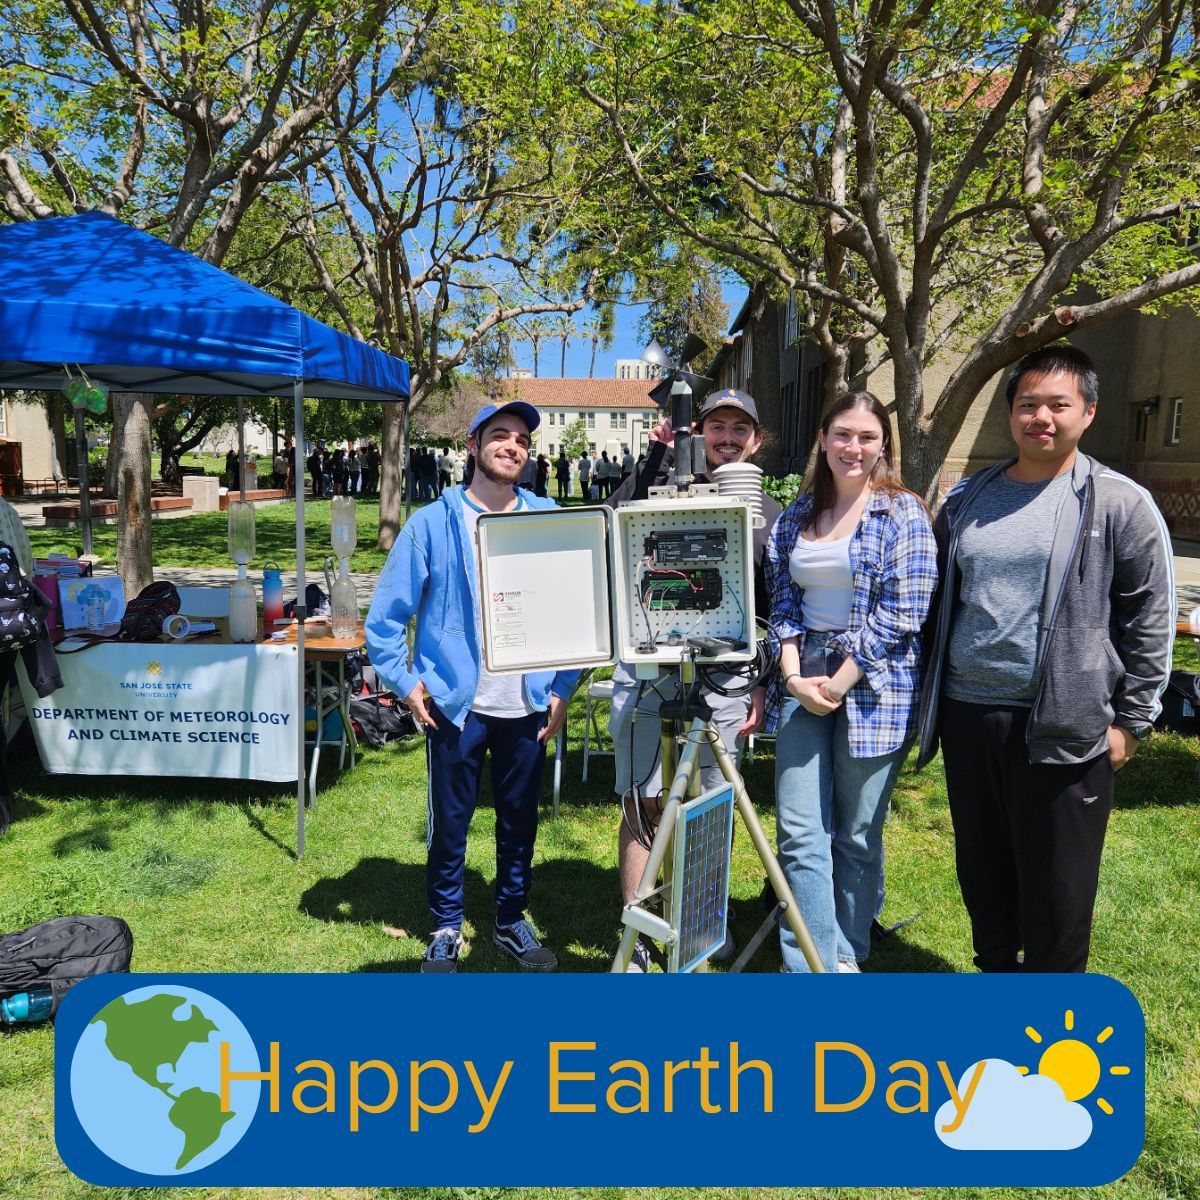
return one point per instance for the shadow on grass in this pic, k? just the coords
(380, 891)
(1162, 774)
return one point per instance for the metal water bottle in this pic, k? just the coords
(27, 1008)
(272, 595)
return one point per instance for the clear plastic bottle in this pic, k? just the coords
(343, 526)
(241, 531)
(343, 604)
(243, 609)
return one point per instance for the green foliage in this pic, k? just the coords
(783, 489)
(575, 440)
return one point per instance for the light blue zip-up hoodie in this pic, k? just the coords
(430, 574)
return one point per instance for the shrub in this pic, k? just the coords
(783, 489)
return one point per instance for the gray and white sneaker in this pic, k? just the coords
(847, 966)
(520, 942)
(441, 955)
(639, 960)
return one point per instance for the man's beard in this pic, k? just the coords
(495, 471)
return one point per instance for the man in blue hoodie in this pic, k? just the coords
(431, 573)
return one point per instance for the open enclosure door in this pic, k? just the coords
(545, 589)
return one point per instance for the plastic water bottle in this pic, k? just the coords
(343, 604)
(343, 526)
(243, 609)
(27, 1008)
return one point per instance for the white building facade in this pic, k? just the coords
(617, 413)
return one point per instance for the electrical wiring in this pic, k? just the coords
(766, 659)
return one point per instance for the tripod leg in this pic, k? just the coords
(791, 910)
(661, 846)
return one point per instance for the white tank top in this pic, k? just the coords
(823, 570)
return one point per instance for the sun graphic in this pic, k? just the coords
(1073, 1064)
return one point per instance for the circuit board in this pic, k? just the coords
(697, 589)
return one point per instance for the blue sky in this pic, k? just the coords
(627, 342)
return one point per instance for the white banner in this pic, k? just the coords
(206, 711)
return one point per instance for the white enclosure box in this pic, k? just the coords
(544, 589)
(670, 554)
(583, 587)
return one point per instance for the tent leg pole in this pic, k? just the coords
(405, 470)
(241, 414)
(301, 614)
(85, 487)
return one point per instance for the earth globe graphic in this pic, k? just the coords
(145, 1080)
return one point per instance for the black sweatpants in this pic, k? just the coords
(1028, 839)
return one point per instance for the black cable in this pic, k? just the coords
(765, 660)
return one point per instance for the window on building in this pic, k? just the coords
(616, 420)
(550, 449)
(1141, 420)
(1175, 424)
(3, 418)
(592, 449)
(591, 420)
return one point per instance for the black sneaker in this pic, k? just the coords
(441, 955)
(520, 942)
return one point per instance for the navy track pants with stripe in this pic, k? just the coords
(455, 759)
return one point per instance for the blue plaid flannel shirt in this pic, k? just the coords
(894, 558)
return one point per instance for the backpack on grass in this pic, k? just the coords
(1181, 704)
(60, 952)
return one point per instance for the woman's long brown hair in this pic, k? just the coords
(884, 477)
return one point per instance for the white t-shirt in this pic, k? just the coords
(823, 570)
(496, 695)
(585, 467)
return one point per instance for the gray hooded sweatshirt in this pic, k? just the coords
(1108, 615)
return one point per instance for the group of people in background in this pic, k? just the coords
(346, 470)
(1028, 630)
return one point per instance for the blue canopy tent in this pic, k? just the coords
(140, 316)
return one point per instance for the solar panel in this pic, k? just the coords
(700, 879)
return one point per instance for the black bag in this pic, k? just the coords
(145, 614)
(379, 723)
(22, 606)
(1181, 704)
(62, 951)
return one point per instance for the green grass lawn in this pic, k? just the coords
(201, 539)
(205, 876)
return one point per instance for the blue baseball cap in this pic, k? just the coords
(519, 408)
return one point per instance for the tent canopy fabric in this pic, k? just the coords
(139, 315)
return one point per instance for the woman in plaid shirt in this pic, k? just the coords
(851, 566)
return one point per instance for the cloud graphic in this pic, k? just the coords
(1011, 1111)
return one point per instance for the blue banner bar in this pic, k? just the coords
(582, 1080)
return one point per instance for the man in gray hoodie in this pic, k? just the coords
(1048, 646)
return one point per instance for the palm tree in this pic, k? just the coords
(564, 330)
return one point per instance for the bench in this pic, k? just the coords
(104, 512)
(255, 496)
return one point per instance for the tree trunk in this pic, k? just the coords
(112, 469)
(168, 445)
(592, 365)
(922, 445)
(391, 499)
(135, 559)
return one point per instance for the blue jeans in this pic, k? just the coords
(830, 811)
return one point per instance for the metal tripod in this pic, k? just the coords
(680, 778)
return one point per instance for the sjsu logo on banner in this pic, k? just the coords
(371, 1080)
